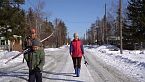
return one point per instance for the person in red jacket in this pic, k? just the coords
(76, 51)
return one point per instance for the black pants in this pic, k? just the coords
(35, 75)
(77, 62)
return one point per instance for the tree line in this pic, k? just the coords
(107, 31)
(14, 20)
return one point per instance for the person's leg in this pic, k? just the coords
(31, 76)
(78, 66)
(79, 59)
(38, 76)
(74, 63)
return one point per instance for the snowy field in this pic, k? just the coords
(130, 63)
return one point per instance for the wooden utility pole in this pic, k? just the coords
(67, 43)
(104, 31)
(105, 27)
(120, 25)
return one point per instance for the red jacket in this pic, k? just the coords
(76, 48)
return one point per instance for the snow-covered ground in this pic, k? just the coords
(131, 63)
(5, 55)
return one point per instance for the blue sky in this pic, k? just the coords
(78, 15)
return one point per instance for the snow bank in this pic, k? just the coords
(55, 49)
(131, 63)
(51, 49)
(5, 55)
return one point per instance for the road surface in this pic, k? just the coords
(59, 68)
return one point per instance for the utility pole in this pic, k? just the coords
(102, 30)
(97, 29)
(105, 27)
(86, 36)
(120, 25)
(94, 33)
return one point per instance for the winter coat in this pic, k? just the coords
(35, 59)
(27, 42)
(76, 48)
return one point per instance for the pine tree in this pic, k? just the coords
(60, 32)
(136, 18)
(12, 18)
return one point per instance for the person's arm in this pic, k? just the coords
(42, 60)
(24, 44)
(71, 48)
(26, 57)
(82, 48)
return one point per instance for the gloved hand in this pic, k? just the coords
(86, 63)
(70, 54)
(37, 69)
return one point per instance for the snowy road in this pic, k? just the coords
(102, 72)
(59, 68)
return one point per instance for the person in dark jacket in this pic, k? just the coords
(27, 43)
(76, 51)
(35, 60)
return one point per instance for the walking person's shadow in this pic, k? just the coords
(60, 74)
(20, 75)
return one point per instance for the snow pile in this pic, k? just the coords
(131, 63)
(5, 55)
(64, 46)
(55, 49)
(90, 46)
(51, 49)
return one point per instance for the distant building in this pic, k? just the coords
(14, 44)
(114, 40)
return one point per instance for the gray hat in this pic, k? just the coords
(36, 42)
(76, 35)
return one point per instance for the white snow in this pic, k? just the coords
(5, 55)
(51, 49)
(55, 49)
(131, 63)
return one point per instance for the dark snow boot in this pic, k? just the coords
(78, 72)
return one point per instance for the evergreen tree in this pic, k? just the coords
(30, 21)
(136, 18)
(60, 32)
(12, 18)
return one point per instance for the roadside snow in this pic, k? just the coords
(51, 49)
(131, 63)
(5, 55)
